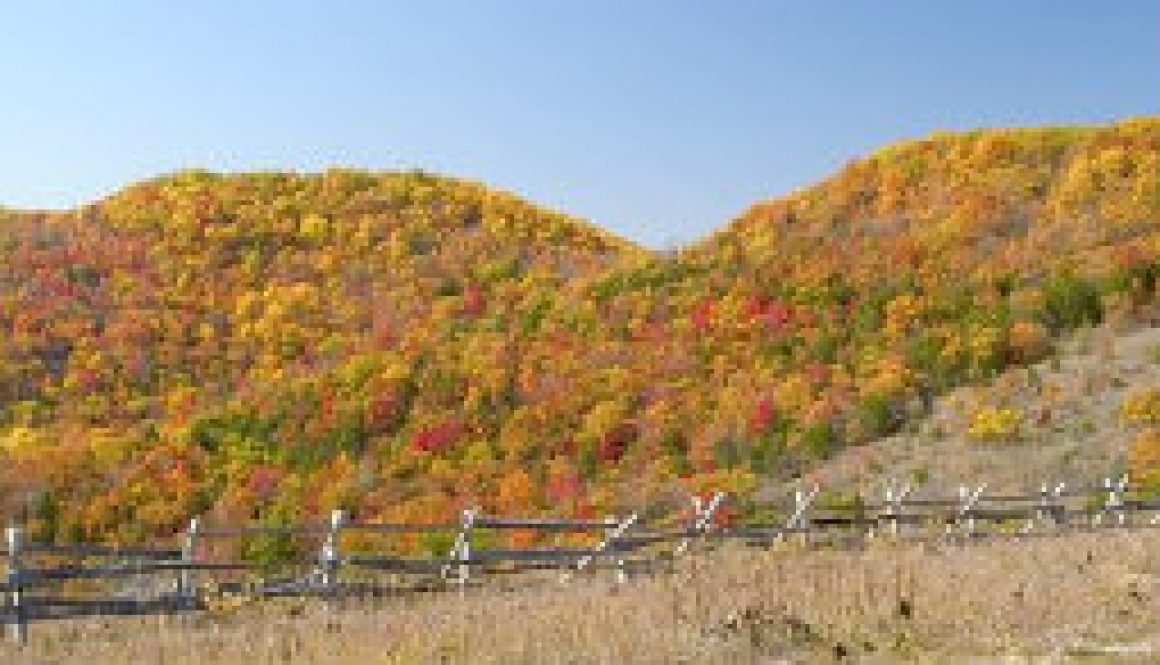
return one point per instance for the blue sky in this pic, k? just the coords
(658, 120)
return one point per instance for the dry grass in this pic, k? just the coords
(892, 601)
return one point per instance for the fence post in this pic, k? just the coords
(1048, 510)
(461, 550)
(702, 520)
(185, 581)
(894, 501)
(330, 557)
(610, 537)
(465, 548)
(1060, 505)
(968, 501)
(801, 517)
(1043, 511)
(621, 575)
(15, 537)
(965, 510)
(1115, 500)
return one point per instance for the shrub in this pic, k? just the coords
(1070, 302)
(588, 460)
(437, 439)
(766, 451)
(924, 353)
(762, 417)
(1028, 341)
(1144, 460)
(996, 425)
(1141, 407)
(271, 550)
(727, 453)
(989, 350)
(877, 417)
(615, 443)
(438, 543)
(819, 440)
(676, 447)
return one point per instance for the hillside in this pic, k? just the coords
(263, 342)
(270, 346)
(929, 265)
(1084, 414)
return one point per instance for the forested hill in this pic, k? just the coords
(269, 346)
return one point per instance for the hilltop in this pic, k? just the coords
(269, 346)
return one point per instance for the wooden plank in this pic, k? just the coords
(564, 526)
(835, 520)
(396, 564)
(494, 556)
(245, 531)
(1141, 505)
(400, 528)
(47, 608)
(81, 550)
(41, 575)
(905, 518)
(655, 537)
(1012, 498)
(929, 503)
(561, 555)
(997, 515)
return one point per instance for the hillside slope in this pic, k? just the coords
(270, 346)
(1070, 419)
(258, 344)
(831, 316)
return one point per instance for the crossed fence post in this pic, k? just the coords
(702, 520)
(14, 536)
(800, 519)
(894, 498)
(461, 550)
(1114, 504)
(610, 537)
(968, 500)
(1049, 511)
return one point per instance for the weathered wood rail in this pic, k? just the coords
(36, 571)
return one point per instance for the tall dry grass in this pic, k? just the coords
(736, 605)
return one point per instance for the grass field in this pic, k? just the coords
(1049, 599)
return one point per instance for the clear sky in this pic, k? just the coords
(660, 120)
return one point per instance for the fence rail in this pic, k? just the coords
(628, 545)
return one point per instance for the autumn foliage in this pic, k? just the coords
(403, 345)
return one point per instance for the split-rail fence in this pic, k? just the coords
(185, 578)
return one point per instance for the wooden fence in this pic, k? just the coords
(184, 577)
